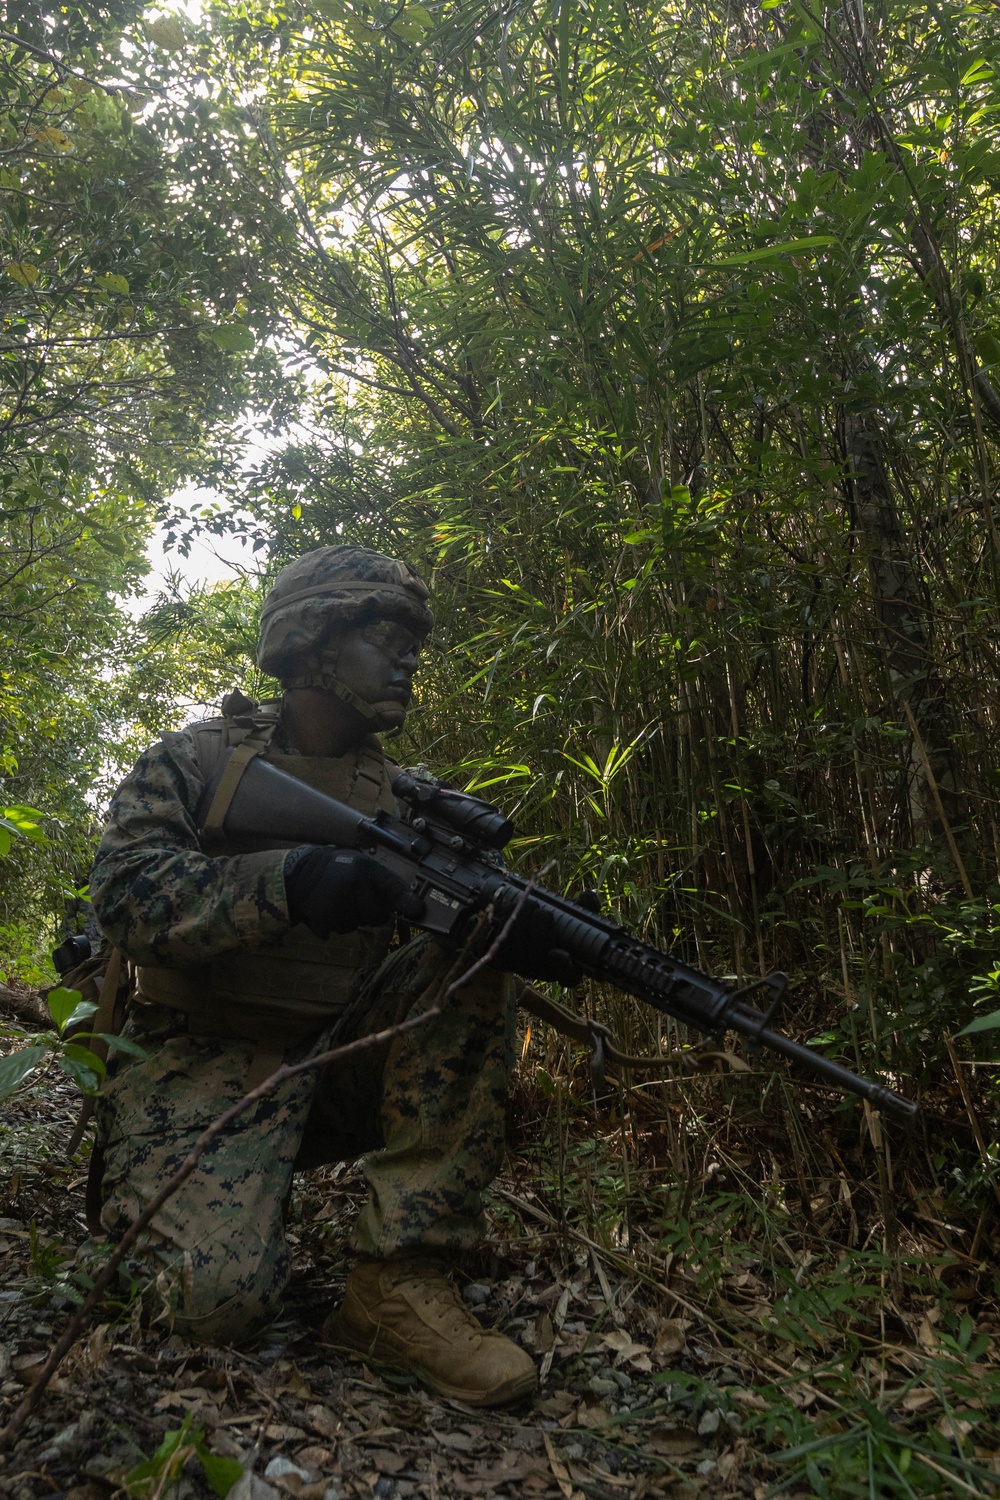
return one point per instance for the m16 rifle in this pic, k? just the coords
(446, 847)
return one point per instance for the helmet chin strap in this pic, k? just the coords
(373, 714)
(330, 683)
(326, 679)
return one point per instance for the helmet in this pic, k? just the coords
(335, 586)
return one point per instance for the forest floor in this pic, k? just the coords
(730, 1288)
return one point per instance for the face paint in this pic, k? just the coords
(376, 660)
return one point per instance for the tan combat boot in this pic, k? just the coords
(405, 1312)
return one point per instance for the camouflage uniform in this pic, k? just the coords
(210, 932)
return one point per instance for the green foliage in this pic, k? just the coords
(679, 405)
(19, 822)
(124, 343)
(871, 1444)
(66, 1044)
(157, 1474)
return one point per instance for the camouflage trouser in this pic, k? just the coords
(428, 1108)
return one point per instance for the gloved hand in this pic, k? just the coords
(338, 890)
(532, 950)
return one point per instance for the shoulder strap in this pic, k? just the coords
(249, 728)
(230, 779)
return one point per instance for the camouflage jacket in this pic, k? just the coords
(158, 896)
(166, 902)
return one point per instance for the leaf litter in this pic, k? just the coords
(655, 1380)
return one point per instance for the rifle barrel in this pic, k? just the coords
(748, 1022)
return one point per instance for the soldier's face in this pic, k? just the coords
(377, 661)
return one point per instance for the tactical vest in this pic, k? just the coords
(287, 990)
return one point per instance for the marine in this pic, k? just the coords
(251, 953)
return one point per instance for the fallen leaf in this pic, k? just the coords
(315, 1456)
(323, 1421)
(544, 1332)
(294, 1382)
(558, 1468)
(593, 1414)
(95, 1353)
(730, 1462)
(926, 1336)
(461, 1442)
(753, 1399)
(386, 1461)
(625, 1349)
(670, 1337)
(557, 1405)
(24, 1362)
(951, 1427)
(917, 1400)
(670, 1442)
(172, 1401)
(28, 1369)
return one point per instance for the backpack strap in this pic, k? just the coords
(107, 1019)
(230, 779)
(115, 986)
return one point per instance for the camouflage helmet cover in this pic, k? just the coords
(335, 586)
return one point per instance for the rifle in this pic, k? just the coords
(447, 845)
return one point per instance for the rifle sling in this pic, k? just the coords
(589, 1034)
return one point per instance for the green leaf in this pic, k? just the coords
(17, 1065)
(414, 24)
(20, 822)
(166, 32)
(123, 1044)
(22, 271)
(115, 283)
(221, 1473)
(976, 72)
(814, 242)
(982, 1023)
(169, 1456)
(84, 1067)
(987, 347)
(63, 1005)
(25, 818)
(232, 338)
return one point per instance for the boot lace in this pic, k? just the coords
(440, 1296)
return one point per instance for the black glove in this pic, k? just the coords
(532, 950)
(338, 890)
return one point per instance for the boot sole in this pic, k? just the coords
(503, 1395)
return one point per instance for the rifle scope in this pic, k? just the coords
(469, 816)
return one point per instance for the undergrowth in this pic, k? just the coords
(836, 1277)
